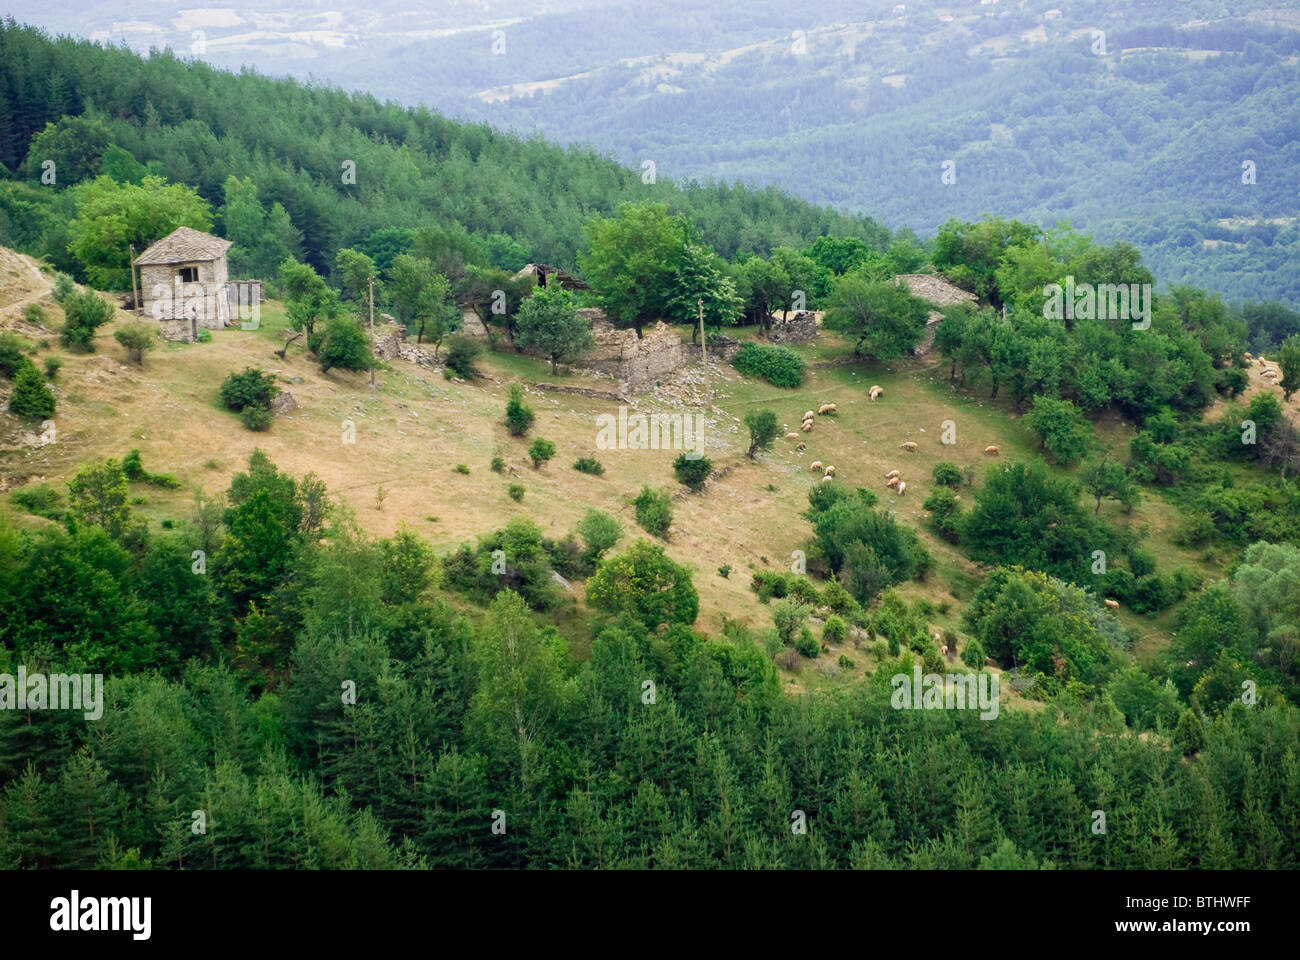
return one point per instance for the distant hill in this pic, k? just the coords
(1138, 135)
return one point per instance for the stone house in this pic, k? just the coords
(184, 283)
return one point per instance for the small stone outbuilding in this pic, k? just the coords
(184, 283)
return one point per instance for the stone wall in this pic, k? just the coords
(182, 309)
(798, 328)
(390, 343)
(940, 293)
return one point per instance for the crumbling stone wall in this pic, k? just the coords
(390, 342)
(938, 291)
(798, 328)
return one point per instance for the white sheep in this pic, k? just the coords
(827, 479)
(992, 450)
(893, 481)
(807, 426)
(1111, 604)
(826, 408)
(792, 436)
(902, 487)
(815, 466)
(808, 415)
(909, 446)
(830, 471)
(893, 473)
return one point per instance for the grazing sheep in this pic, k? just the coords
(827, 479)
(807, 426)
(992, 450)
(792, 436)
(902, 487)
(830, 471)
(802, 447)
(893, 473)
(944, 650)
(808, 415)
(909, 446)
(1249, 356)
(815, 466)
(894, 481)
(826, 408)
(1111, 604)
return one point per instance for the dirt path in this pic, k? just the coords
(9, 259)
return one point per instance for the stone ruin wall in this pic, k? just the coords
(799, 328)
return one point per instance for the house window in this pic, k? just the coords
(189, 274)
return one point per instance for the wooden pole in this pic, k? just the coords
(372, 327)
(135, 293)
(704, 353)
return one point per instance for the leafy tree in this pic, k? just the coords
(112, 216)
(1106, 479)
(549, 323)
(764, 427)
(519, 416)
(632, 262)
(540, 451)
(260, 240)
(702, 276)
(408, 567)
(761, 285)
(421, 298)
(31, 396)
(1060, 428)
(946, 473)
(355, 270)
(252, 388)
(883, 319)
(76, 145)
(644, 582)
(800, 271)
(137, 339)
(1023, 515)
(85, 312)
(97, 496)
(599, 531)
(1288, 358)
(308, 299)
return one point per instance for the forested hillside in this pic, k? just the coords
(1132, 122)
(392, 601)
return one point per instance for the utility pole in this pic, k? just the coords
(135, 293)
(372, 329)
(704, 354)
(1046, 256)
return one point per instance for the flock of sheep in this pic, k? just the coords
(1270, 374)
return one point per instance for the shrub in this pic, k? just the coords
(763, 429)
(807, 644)
(344, 345)
(724, 571)
(947, 474)
(256, 418)
(498, 465)
(12, 354)
(34, 313)
(599, 531)
(788, 616)
(779, 366)
(589, 465)
(64, 287)
(540, 451)
(834, 630)
(52, 366)
(461, 468)
(31, 396)
(654, 512)
(945, 513)
(462, 351)
(133, 466)
(837, 599)
(252, 388)
(768, 584)
(85, 313)
(519, 416)
(205, 335)
(41, 500)
(845, 662)
(692, 472)
(137, 339)
(932, 659)
(516, 491)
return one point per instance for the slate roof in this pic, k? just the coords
(184, 245)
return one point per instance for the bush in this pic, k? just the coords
(807, 644)
(31, 396)
(724, 571)
(654, 512)
(788, 616)
(845, 662)
(589, 465)
(137, 339)
(692, 472)
(519, 416)
(64, 287)
(52, 366)
(768, 584)
(779, 366)
(599, 531)
(34, 313)
(257, 419)
(41, 500)
(834, 631)
(498, 465)
(461, 468)
(462, 351)
(252, 388)
(945, 513)
(344, 345)
(540, 451)
(947, 474)
(133, 466)
(12, 354)
(932, 659)
(763, 429)
(86, 312)
(205, 335)
(516, 491)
